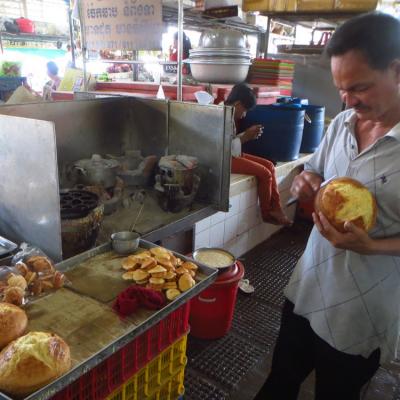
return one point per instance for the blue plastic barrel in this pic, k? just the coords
(283, 130)
(313, 132)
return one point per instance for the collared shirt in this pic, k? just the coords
(352, 300)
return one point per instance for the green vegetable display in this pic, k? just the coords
(10, 68)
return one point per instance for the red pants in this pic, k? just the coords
(264, 170)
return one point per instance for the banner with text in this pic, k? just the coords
(122, 24)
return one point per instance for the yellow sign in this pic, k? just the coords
(122, 24)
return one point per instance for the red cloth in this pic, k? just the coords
(133, 297)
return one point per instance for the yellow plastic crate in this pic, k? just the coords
(171, 389)
(315, 5)
(309, 5)
(161, 379)
(269, 5)
(356, 5)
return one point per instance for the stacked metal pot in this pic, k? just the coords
(222, 57)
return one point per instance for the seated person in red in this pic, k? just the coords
(242, 99)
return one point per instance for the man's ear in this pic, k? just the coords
(395, 65)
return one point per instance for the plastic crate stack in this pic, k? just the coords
(161, 379)
(274, 73)
(150, 367)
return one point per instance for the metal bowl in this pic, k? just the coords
(221, 57)
(222, 38)
(197, 256)
(221, 71)
(220, 51)
(125, 242)
(220, 54)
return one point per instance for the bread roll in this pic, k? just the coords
(13, 295)
(13, 322)
(186, 282)
(345, 199)
(33, 361)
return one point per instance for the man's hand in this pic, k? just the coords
(305, 185)
(251, 133)
(355, 238)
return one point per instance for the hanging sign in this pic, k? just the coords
(122, 24)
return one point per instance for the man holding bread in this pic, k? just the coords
(342, 315)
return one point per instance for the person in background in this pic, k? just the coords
(68, 57)
(242, 99)
(173, 54)
(55, 80)
(341, 317)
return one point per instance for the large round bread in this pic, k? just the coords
(346, 199)
(31, 362)
(13, 323)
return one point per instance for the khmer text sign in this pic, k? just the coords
(122, 24)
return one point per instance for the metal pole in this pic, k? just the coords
(71, 34)
(267, 37)
(180, 48)
(83, 44)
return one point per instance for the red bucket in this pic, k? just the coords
(211, 312)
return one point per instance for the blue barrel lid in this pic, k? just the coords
(291, 106)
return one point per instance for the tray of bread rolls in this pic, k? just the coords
(79, 319)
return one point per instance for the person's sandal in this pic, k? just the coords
(245, 287)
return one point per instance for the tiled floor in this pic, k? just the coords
(235, 366)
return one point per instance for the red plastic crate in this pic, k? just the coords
(102, 380)
(114, 365)
(142, 351)
(130, 359)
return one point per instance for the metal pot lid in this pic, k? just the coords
(97, 162)
(220, 37)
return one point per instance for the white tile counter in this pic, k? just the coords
(241, 228)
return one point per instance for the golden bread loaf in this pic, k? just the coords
(345, 199)
(33, 361)
(13, 323)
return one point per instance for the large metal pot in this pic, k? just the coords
(219, 71)
(97, 171)
(222, 38)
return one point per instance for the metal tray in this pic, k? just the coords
(6, 246)
(208, 275)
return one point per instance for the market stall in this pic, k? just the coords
(107, 347)
(64, 136)
(111, 128)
